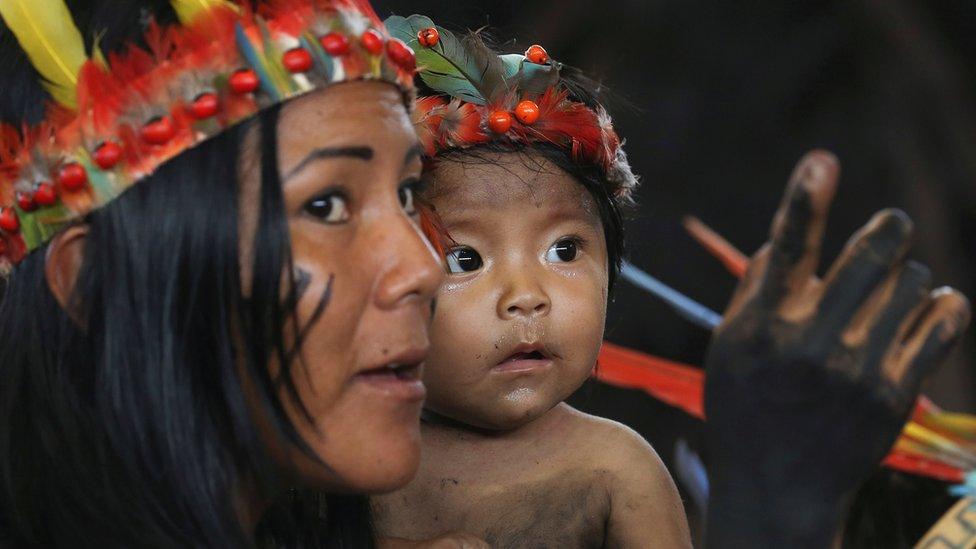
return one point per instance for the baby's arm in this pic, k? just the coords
(645, 509)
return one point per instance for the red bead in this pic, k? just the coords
(429, 37)
(401, 54)
(297, 60)
(205, 106)
(499, 122)
(527, 112)
(244, 81)
(72, 177)
(8, 220)
(158, 131)
(107, 155)
(335, 44)
(26, 201)
(45, 194)
(372, 40)
(537, 54)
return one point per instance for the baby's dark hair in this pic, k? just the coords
(612, 205)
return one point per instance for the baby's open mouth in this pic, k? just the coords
(525, 359)
(531, 355)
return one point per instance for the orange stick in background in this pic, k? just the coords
(735, 261)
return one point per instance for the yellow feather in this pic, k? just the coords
(187, 10)
(48, 35)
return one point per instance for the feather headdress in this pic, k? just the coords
(477, 96)
(114, 119)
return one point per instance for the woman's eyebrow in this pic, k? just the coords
(361, 153)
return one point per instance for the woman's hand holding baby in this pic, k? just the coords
(809, 380)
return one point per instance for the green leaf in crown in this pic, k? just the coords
(456, 67)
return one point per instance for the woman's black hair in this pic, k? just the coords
(129, 422)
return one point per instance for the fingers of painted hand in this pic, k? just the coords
(868, 259)
(798, 228)
(925, 342)
(891, 311)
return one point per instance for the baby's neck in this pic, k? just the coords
(540, 426)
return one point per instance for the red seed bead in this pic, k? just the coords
(499, 122)
(537, 54)
(158, 131)
(107, 155)
(72, 177)
(401, 54)
(372, 40)
(297, 60)
(8, 220)
(45, 194)
(527, 112)
(205, 105)
(335, 44)
(428, 37)
(26, 201)
(244, 81)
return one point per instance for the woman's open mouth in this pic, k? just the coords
(400, 378)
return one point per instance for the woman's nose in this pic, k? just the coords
(414, 272)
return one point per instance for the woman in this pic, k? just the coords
(249, 316)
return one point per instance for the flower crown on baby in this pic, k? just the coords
(481, 97)
(115, 119)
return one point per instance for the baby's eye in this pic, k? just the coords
(563, 251)
(463, 260)
(407, 192)
(330, 208)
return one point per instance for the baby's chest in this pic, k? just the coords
(564, 509)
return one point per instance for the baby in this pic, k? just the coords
(528, 195)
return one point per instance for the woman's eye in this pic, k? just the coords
(563, 251)
(407, 193)
(330, 208)
(463, 260)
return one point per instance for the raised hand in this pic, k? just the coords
(809, 381)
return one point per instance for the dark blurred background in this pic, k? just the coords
(718, 100)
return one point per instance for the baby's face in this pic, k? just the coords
(519, 321)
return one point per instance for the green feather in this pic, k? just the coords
(464, 68)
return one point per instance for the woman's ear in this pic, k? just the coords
(65, 254)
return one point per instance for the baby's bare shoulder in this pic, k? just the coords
(607, 444)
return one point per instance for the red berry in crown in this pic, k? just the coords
(335, 44)
(372, 41)
(72, 177)
(158, 131)
(45, 195)
(527, 112)
(297, 60)
(8, 220)
(205, 105)
(244, 81)
(26, 201)
(537, 54)
(401, 54)
(107, 155)
(429, 37)
(499, 122)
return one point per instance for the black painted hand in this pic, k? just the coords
(809, 381)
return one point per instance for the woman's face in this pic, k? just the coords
(350, 162)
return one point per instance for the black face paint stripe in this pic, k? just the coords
(360, 153)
